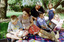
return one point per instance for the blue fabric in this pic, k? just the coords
(40, 22)
(61, 39)
(51, 14)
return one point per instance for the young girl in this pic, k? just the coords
(50, 11)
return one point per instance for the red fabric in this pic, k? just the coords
(34, 29)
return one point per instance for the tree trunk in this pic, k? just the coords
(20, 5)
(44, 3)
(3, 8)
(58, 3)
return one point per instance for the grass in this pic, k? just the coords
(4, 25)
(3, 29)
(13, 13)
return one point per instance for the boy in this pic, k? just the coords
(50, 11)
(41, 22)
(13, 28)
(45, 32)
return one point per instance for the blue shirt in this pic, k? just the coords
(40, 22)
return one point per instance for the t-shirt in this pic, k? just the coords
(35, 13)
(40, 22)
(25, 22)
(14, 28)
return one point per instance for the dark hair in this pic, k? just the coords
(40, 12)
(13, 17)
(27, 10)
(50, 3)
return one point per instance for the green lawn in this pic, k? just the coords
(13, 13)
(4, 25)
(3, 29)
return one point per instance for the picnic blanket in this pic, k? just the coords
(39, 39)
(36, 38)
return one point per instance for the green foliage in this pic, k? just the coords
(12, 1)
(3, 29)
(15, 8)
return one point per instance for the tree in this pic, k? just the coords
(58, 3)
(3, 8)
(44, 3)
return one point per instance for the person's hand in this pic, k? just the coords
(35, 19)
(20, 29)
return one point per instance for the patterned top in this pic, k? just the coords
(14, 28)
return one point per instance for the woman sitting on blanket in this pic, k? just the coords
(26, 18)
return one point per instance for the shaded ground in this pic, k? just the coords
(4, 40)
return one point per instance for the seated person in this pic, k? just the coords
(41, 22)
(13, 28)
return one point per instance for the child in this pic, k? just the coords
(45, 32)
(50, 11)
(41, 22)
(13, 28)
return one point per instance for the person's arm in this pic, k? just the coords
(21, 27)
(41, 24)
(53, 10)
(47, 11)
(34, 18)
(30, 24)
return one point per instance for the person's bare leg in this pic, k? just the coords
(48, 35)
